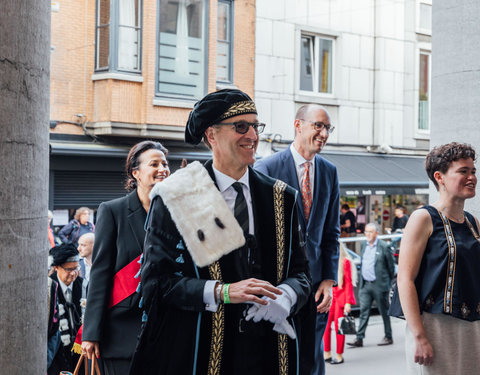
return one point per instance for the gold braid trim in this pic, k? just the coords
(239, 108)
(218, 322)
(278, 203)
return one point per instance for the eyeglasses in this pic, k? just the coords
(74, 269)
(242, 127)
(320, 126)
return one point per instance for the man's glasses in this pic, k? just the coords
(320, 126)
(74, 269)
(242, 127)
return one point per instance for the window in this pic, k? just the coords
(224, 41)
(424, 19)
(181, 49)
(316, 64)
(119, 33)
(424, 92)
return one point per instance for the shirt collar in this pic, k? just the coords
(374, 243)
(224, 181)
(299, 159)
(63, 286)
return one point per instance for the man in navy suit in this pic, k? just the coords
(316, 179)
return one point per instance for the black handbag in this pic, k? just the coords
(346, 325)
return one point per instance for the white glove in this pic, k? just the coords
(284, 327)
(275, 311)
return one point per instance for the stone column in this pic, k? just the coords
(24, 116)
(456, 77)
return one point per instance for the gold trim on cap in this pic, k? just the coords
(239, 108)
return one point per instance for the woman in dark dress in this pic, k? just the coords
(113, 317)
(438, 280)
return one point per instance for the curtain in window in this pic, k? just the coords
(181, 53)
(181, 48)
(127, 35)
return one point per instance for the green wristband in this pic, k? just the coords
(226, 296)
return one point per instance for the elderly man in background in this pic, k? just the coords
(85, 248)
(377, 271)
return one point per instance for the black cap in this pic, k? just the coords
(213, 108)
(64, 253)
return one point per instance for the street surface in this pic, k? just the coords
(372, 359)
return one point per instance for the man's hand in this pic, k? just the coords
(325, 290)
(89, 348)
(251, 290)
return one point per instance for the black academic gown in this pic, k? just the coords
(65, 359)
(181, 337)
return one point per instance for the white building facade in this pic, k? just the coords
(368, 62)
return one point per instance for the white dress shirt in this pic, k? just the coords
(299, 166)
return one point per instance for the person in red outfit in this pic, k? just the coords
(343, 299)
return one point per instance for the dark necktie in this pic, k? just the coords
(241, 210)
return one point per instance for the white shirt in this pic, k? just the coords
(224, 184)
(299, 166)
(68, 297)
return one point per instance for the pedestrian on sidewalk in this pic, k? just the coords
(377, 271)
(438, 280)
(343, 299)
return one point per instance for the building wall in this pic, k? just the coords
(456, 79)
(375, 64)
(124, 105)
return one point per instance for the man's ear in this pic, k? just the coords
(210, 135)
(296, 124)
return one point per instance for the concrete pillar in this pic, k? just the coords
(24, 116)
(456, 77)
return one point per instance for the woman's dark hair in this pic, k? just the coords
(441, 157)
(133, 160)
(345, 206)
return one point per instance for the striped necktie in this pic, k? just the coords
(306, 191)
(241, 210)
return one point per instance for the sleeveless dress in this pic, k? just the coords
(448, 287)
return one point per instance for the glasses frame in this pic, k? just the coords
(259, 127)
(70, 270)
(319, 125)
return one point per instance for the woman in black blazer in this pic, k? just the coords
(111, 332)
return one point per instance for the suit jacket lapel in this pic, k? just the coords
(136, 218)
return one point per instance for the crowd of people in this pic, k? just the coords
(235, 267)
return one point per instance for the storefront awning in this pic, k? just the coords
(368, 174)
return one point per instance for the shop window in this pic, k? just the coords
(316, 64)
(224, 41)
(181, 49)
(424, 92)
(118, 36)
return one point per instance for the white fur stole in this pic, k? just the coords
(199, 212)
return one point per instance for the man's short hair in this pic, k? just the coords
(88, 236)
(375, 225)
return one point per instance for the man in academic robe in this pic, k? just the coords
(246, 311)
(71, 299)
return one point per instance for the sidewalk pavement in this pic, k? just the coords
(372, 359)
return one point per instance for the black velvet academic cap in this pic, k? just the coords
(213, 108)
(64, 253)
